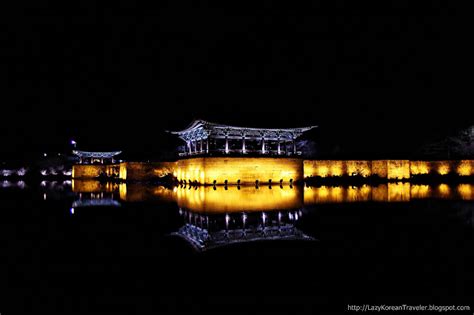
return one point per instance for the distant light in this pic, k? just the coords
(44, 154)
(73, 142)
(72, 210)
(44, 196)
(21, 171)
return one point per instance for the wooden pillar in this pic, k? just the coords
(195, 146)
(294, 146)
(201, 147)
(279, 147)
(207, 145)
(226, 145)
(189, 146)
(263, 145)
(243, 144)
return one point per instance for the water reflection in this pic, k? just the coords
(99, 199)
(391, 192)
(206, 231)
(235, 199)
(217, 216)
(13, 184)
(207, 199)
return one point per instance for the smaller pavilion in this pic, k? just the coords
(86, 157)
(204, 138)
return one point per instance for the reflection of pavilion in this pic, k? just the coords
(205, 231)
(95, 199)
(221, 216)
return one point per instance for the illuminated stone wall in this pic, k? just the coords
(390, 169)
(398, 169)
(207, 169)
(145, 170)
(94, 170)
(379, 168)
(330, 168)
(461, 168)
(247, 170)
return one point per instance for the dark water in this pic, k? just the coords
(86, 246)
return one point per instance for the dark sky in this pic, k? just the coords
(378, 79)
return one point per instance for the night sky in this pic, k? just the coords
(377, 80)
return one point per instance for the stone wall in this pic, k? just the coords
(247, 170)
(94, 170)
(206, 170)
(461, 167)
(145, 170)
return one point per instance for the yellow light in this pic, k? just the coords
(464, 168)
(444, 191)
(443, 168)
(247, 198)
(466, 191)
(398, 192)
(420, 191)
(419, 167)
(323, 171)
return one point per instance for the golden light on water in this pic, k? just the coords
(420, 191)
(206, 199)
(398, 192)
(248, 198)
(466, 191)
(444, 191)
(123, 191)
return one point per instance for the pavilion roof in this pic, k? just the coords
(198, 124)
(98, 155)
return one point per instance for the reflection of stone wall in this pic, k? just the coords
(232, 169)
(91, 185)
(245, 198)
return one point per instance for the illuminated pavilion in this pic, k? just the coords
(205, 138)
(86, 157)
